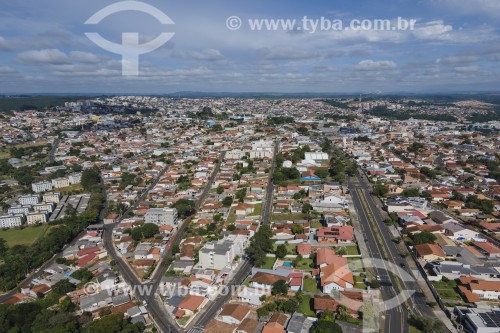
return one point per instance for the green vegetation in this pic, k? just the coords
(184, 207)
(384, 112)
(311, 285)
(22, 103)
(147, 230)
(280, 287)
(268, 262)
(446, 290)
(21, 259)
(423, 237)
(305, 306)
(260, 244)
(26, 236)
(257, 210)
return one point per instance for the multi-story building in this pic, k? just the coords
(16, 210)
(41, 187)
(75, 178)
(36, 217)
(60, 182)
(161, 216)
(11, 221)
(28, 200)
(216, 255)
(51, 197)
(44, 207)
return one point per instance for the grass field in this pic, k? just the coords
(305, 306)
(310, 285)
(305, 264)
(352, 250)
(316, 224)
(257, 210)
(446, 290)
(268, 264)
(291, 248)
(5, 154)
(24, 236)
(72, 189)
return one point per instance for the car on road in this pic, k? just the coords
(402, 264)
(378, 278)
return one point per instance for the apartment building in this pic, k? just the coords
(41, 187)
(11, 221)
(29, 200)
(161, 216)
(36, 217)
(51, 197)
(75, 178)
(60, 182)
(216, 255)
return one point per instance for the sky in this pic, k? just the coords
(454, 46)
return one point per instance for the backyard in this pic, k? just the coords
(446, 290)
(269, 262)
(305, 306)
(311, 286)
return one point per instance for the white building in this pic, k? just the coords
(36, 217)
(161, 216)
(60, 182)
(16, 210)
(216, 255)
(44, 207)
(28, 200)
(11, 221)
(41, 187)
(317, 157)
(51, 197)
(75, 178)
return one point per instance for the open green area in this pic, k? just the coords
(316, 224)
(21, 103)
(352, 250)
(288, 217)
(24, 236)
(268, 263)
(291, 248)
(311, 286)
(257, 210)
(305, 264)
(446, 290)
(305, 306)
(5, 152)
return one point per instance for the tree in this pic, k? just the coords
(341, 251)
(240, 195)
(90, 178)
(220, 189)
(70, 210)
(423, 237)
(327, 315)
(342, 312)
(136, 234)
(149, 230)
(280, 287)
(321, 173)
(227, 201)
(307, 208)
(281, 251)
(62, 287)
(3, 247)
(297, 229)
(175, 249)
(323, 326)
(185, 207)
(380, 189)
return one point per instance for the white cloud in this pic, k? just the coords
(84, 57)
(434, 30)
(7, 70)
(286, 54)
(206, 54)
(468, 7)
(373, 65)
(46, 56)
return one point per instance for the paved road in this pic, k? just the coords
(380, 245)
(240, 276)
(396, 319)
(52, 153)
(156, 310)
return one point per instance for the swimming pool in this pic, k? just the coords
(287, 264)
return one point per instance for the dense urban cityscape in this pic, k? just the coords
(137, 213)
